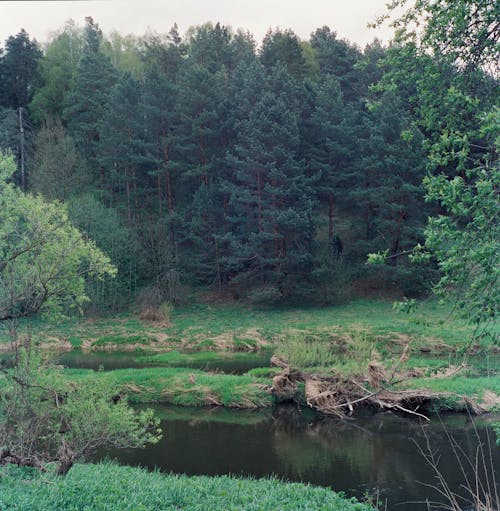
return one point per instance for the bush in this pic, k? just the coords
(44, 417)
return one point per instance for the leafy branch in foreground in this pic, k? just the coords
(45, 417)
(44, 261)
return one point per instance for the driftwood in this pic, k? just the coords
(6, 458)
(339, 396)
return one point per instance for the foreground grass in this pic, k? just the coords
(109, 487)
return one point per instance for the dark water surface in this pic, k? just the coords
(241, 363)
(366, 455)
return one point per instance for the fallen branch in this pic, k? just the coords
(339, 396)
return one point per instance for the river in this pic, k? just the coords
(374, 454)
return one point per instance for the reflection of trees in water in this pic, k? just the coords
(378, 450)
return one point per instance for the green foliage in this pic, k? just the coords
(86, 100)
(462, 31)
(57, 170)
(266, 175)
(106, 227)
(44, 260)
(57, 68)
(457, 105)
(115, 488)
(466, 242)
(19, 74)
(45, 417)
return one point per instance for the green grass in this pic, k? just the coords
(109, 487)
(117, 340)
(200, 323)
(264, 372)
(473, 388)
(185, 387)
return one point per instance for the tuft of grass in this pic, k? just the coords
(76, 342)
(112, 487)
(244, 344)
(264, 372)
(347, 355)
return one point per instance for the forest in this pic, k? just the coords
(265, 172)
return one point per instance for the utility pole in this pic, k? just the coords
(21, 131)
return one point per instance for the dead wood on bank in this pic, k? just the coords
(339, 395)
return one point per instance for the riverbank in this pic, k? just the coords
(237, 328)
(111, 487)
(206, 355)
(191, 387)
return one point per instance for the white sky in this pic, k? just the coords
(349, 18)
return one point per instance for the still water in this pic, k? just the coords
(240, 363)
(374, 453)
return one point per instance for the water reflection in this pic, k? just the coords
(375, 452)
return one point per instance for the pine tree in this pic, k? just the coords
(283, 47)
(389, 194)
(121, 149)
(19, 74)
(337, 57)
(87, 101)
(271, 199)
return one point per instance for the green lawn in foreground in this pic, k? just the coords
(109, 487)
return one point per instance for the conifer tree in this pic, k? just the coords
(19, 73)
(271, 199)
(87, 101)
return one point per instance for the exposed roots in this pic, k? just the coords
(339, 396)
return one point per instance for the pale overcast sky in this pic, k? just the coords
(349, 18)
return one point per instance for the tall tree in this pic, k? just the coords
(87, 101)
(57, 171)
(271, 199)
(284, 47)
(462, 36)
(19, 73)
(121, 150)
(58, 69)
(337, 57)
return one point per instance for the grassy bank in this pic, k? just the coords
(108, 487)
(185, 387)
(188, 387)
(233, 338)
(224, 327)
